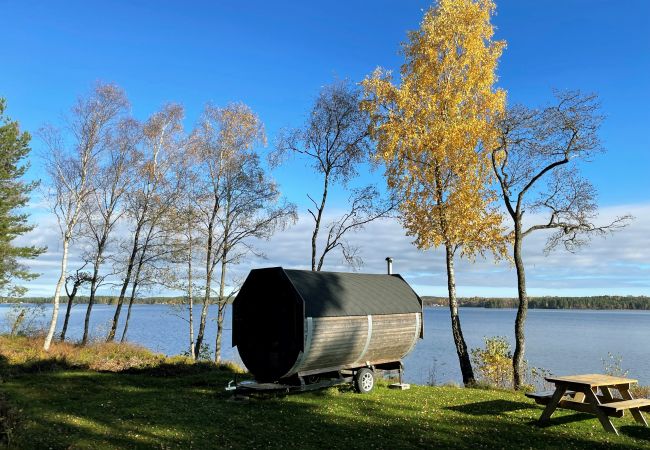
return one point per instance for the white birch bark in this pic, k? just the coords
(57, 293)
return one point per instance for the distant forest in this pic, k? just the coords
(596, 302)
(100, 299)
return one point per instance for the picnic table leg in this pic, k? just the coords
(560, 389)
(607, 394)
(592, 399)
(636, 412)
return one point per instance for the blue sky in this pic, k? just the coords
(275, 56)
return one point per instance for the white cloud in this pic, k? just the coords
(618, 264)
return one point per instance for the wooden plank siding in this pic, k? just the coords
(335, 341)
(356, 341)
(392, 337)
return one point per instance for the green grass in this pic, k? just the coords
(185, 406)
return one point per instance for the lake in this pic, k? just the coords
(562, 341)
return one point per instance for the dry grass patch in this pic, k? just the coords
(27, 353)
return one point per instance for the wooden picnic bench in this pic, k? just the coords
(592, 393)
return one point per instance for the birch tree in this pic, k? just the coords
(536, 160)
(145, 277)
(70, 169)
(105, 206)
(185, 239)
(148, 197)
(183, 258)
(251, 210)
(431, 130)
(221, 134)
(150, 266)
(334, 140)
(189, 232)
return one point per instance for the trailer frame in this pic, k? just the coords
(307, 382)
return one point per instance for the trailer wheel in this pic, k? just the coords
(364, 380)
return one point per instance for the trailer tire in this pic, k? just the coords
(364, 380)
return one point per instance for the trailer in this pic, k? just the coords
(298, 330)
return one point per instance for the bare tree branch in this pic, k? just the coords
(335, 141)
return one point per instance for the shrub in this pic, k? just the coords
(613, 365)
(24, 319)
(535, 379)
(494, 362)
(639, 391)
(205, 353)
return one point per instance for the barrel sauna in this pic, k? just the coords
(289, 323)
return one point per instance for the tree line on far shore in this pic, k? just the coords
(608, 302)
(592, 302)
(100, 300)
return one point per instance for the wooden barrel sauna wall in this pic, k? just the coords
(294, 322)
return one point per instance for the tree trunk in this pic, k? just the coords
(128, 311)
(317, 219)
(134, 288)
(459, 340)
(204, 317)
(57, 293)
(522, 310)
(91, 300)
(67, 311)
(209, 267)
(125, 283)
(220, 310)
(190, 299)
(220, 315)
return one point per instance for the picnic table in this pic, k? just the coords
(594, 394)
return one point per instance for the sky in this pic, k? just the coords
(275, 56)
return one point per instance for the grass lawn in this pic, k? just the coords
(185, 406)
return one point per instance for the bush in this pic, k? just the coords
(494, 362)
(613, 365)
(24, 319)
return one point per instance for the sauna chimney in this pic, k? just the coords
(389, 263)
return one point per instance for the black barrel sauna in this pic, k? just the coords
(298, 322)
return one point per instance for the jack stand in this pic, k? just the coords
(400, 386)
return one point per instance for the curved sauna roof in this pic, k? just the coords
(330, 294)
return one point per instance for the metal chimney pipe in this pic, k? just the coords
(389, 263)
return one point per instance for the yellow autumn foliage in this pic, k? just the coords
(432, 127)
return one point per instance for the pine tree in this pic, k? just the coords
(14, 195)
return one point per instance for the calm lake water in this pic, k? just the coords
(562, 341)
